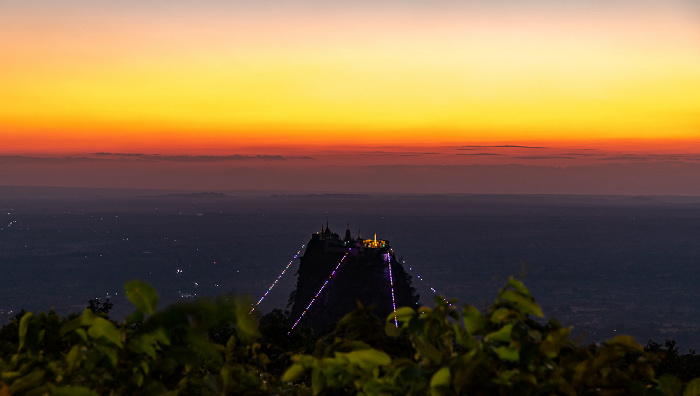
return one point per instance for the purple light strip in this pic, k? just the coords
(277, 280)
(428, 285)
(319, 293)
(393, 300)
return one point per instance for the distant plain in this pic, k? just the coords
(605, 265)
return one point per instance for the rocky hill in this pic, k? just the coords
(348, 270)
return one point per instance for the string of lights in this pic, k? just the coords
(427, 284)
(278, 278)
(393, 300)
(318, 293)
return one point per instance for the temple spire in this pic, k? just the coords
(348, 234)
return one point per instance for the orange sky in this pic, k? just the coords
(573, 96)
(91, 77)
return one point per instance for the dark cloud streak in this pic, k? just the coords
(503, 146)
(137, 157)
(477, 154)
(542, 157)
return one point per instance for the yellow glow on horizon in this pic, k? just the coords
(307, 79)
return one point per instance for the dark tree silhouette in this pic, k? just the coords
(100, 309)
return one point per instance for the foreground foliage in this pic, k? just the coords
(216, 347)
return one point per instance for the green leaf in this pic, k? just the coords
(403, 314)
(87, 317)
(503, 334)
(160, 336)
(226, 377)
(670, 385)
(474, 321)
(462, 337)
(368, 358)
(692, 388)
(23, 327)
(142, 295)
(441, 377)
(145, 345)
(556, 339)
(138, 378)
(82, 334)
(70, 390)
(247, 322)
(627, 341)
(391, 330)
(110, 352)
(132, 319)
(526, 304)
(101, 327)
(73, 356)
(507, 353)
(518, 286)
(207, 349)
(231, 343)
(318, 381)
(425, 350)
(71, 325)
(9, 376)
(27, 382)
(501, 315)
(293, 373)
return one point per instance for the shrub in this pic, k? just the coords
(214, 347)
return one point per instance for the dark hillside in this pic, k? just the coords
(362, 275)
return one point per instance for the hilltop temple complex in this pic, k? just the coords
(348, 270)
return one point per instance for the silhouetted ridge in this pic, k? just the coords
(362, 276)
(195, 195)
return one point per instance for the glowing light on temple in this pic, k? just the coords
(393, 300)
(319, 292)
(374, 243)
(278, 278)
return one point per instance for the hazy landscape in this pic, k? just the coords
(604, 264)
(521, 157)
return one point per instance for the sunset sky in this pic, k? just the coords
(148, 91)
